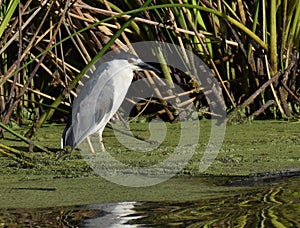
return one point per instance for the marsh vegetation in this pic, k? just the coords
(252, 48)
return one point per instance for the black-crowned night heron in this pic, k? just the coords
(100, 98)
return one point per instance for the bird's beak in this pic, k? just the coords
(146, 66)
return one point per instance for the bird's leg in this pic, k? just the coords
(102, 148)
(90, 144)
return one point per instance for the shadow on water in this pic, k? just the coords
(263, 204)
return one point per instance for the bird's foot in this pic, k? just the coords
(102, 148)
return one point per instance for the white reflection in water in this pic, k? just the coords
(117, 215)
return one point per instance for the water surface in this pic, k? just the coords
(263, 204)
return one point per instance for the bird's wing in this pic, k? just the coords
(92, 103)
(97, 101)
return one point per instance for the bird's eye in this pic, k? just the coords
(131, 60)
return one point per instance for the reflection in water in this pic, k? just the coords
(274, 205)
(266, 205)
(96, 215)
(117, 215)
(241, 211)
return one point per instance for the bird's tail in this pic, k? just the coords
(67, 138)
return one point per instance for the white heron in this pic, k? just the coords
(100, 98)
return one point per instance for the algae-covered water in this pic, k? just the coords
(250, 182)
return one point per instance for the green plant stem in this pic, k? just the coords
(20, 160)
(14, 151)
(254, 25)
(273, 38)
(294, 26)
(164, 67)
(282, 47)
(11, 9)
(29, 141)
